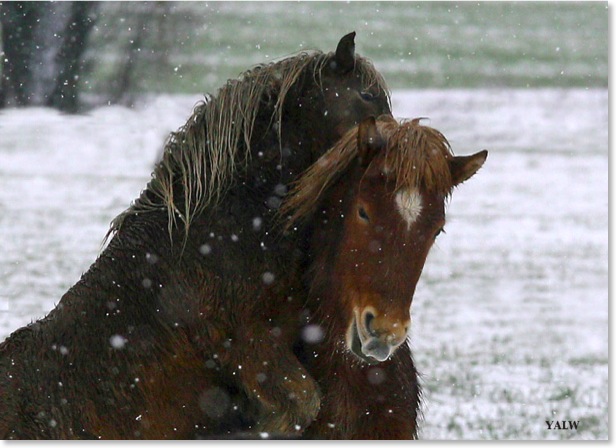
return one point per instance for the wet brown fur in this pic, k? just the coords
(367, 399)
(181, 283)
(205, 153)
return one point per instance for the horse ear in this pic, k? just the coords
(464, 167)
(369, 141)
(345, 53)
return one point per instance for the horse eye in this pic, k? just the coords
(438, 232)
(363, 215)
(366, 96)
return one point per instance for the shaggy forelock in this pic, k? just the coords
(415, 156)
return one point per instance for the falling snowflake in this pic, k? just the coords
(117, 341)
(257, 223)
(313, 334)
(268, 278)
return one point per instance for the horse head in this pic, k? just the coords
(382, 192)
(341, 90)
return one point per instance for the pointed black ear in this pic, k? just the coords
(464, 167)
(369, 141)
(345, 53)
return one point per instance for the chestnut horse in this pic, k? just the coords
(184, 324)
(372, 207)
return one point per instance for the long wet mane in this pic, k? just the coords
(204, 154)
(416, 156)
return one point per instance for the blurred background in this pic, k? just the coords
(510, 317)
(115, 51)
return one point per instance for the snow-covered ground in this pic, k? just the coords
(510, 319)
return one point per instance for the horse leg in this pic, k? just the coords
(272, 376)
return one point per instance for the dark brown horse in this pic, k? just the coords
(375, 204)
(184, 324)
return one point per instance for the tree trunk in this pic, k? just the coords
(44, 45)
(18, 23)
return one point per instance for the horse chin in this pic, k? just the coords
(354, 343)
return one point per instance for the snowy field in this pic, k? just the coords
(510, 319)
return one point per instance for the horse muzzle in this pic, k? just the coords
(373, 336)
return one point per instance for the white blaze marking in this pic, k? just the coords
(409, 205)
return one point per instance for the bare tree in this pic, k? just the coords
(142, 46)
(43, 52)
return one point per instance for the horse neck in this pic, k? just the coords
(325, 284)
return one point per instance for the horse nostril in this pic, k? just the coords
(368, 319)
